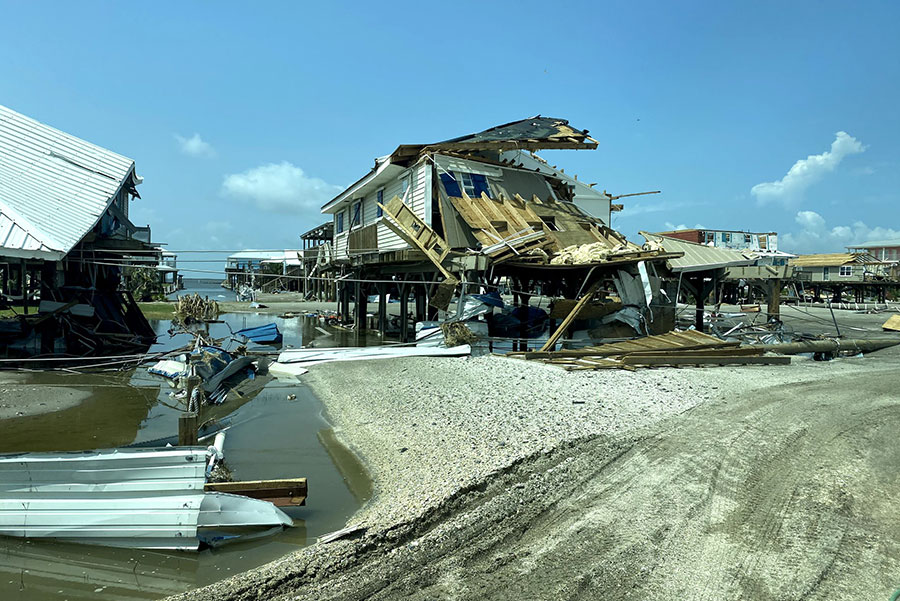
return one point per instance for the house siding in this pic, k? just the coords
(419, 199)
(420, 203)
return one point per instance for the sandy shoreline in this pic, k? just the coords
(443, 436)
(22, 398)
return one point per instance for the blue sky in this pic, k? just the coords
(244, 119)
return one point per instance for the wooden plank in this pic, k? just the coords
(282, 493)
(582, 302)
(416, 232)
(893, 323)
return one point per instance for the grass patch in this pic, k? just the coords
(158, 310)
(16, 310)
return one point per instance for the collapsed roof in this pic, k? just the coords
(536, 133)
(833, 260)
(54, 187)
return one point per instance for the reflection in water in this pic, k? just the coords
(48, 570)
(272, 437)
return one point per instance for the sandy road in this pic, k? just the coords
(788, 494)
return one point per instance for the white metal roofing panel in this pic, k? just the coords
(698, 257)
(54, 187)
(148, 498)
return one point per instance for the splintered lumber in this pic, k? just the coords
(417, 233)
(673, 348)
(281, 493)
(573, 315)
(689, 340)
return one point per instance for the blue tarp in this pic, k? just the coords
(267, 334)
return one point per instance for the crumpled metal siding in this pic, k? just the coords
(147, 498)
(54, 187)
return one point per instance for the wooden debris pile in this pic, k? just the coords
(193, 308)
(457, 333)
(673, 348)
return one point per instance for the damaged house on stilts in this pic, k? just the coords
(483, 213)
(64, 230)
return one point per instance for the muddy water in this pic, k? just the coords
(278, 432)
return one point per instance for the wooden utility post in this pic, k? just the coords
(188, 421)
(774, 296)
(404, 312)
(382, 306)
(360, 307)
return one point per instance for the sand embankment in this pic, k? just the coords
(497, 478)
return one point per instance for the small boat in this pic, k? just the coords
(135, 498)
(267, 334)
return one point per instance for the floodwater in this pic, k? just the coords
(272, 436)
(211, 288)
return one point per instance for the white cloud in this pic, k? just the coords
(808, 171)
(280, 188)
(810, 221)
(195, 146)
(681, 226)
(814, 235)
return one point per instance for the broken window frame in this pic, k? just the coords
(473, 184)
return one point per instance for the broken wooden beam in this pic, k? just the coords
(281, 493)
(571, 317)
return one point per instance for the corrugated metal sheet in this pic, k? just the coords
(147, 498)
(54, 187)
(698, 257)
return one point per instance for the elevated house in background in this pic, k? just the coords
(883, 250)
(705, 271)
(64, 229)
(836, 272)
(763, 244)
(316, 254)
(266, 270)
(162, 262)
(476, 210)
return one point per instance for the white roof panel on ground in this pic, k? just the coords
(54, 187)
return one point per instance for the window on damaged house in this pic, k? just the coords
(726, 236)
(339, 222)
(357, 214)
(379, 198)
(404, 189)
(473, 184)
(846, 271)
